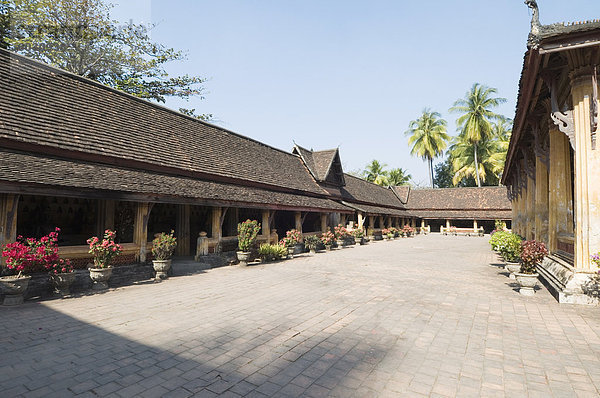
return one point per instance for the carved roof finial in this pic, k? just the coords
(533, 39)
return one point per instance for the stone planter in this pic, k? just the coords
(243, 258)
(513, 268)
(62, 282)
(357, 241)
(371, 238)
(291, 250)
(313, 250)
(13, 288)
(100, 277)
(340, 243)
(161, 267)
(327, 248)
(527, 283)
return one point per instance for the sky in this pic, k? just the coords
(345, 73)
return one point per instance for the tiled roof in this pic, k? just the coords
(46, 106)
(462, 214)
(317, 162)
(484, 198)
(358, 190)
(402, 191)
(374, 210)
(110, 181)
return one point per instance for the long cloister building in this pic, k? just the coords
(80, 156)
(553, 162)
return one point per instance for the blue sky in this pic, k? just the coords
(347, 73)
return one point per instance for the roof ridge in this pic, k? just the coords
(86, 80)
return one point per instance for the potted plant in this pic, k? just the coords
(327, 239)
(311, 242)
(268, 252)
(163, 246)
(103, 251)
(389, 235)
(292, 238)
(25, 256)
(408, 231)
(247, 233)
(509, 245)
(62, 275)
(358, 236)
(532, 252)
(340, 233)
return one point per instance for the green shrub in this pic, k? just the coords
(311, 242)
(509, 246)
(269, 252)
(247, 233)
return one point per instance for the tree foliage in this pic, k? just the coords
(375, 172)
(428, 137)
(80, 37)
(475, 121)
(397, 177)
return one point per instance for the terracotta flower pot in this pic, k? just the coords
(161, 267)
(62, 282)
(14, 288)
(100, 277)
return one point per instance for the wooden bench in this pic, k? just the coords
(462, 231)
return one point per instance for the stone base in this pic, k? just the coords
(566, 285)
(13, 299)
(526, 291)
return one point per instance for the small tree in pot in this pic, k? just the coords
(327, 238)
(311, 242)
(358, 235)
(163, 246)
(292, 238)
(532, 252)
(247, 233)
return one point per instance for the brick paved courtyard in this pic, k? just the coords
(427, 316)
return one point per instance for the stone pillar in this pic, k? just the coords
(447, 223)
(140, 229)
(413, 222)
(381, 222)
(323, 222)
(541, 201)
(587, 173)
(182, 230)
(9, 205)
(388, 222)
(475, 225)
(361, 220)
(560, 201)
(265, 225)
(298, 221)
(201, 246)
(216, 227)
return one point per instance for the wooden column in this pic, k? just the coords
(323, 222)
(381, 222)
(140, 229)
(182, 230)
(216, 226)
(530, 211)
(265, 225)
(587, 173)
(447, 223)
(560, 199)
(105, 216)
(541, 201)
(298, 221)
(9, 205)
(475, 225)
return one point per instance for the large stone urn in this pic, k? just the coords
(243, 258)
(62, 282)
(327, 248)
(527, 283)
(161, 267)
(357, 241)
(339, 243)
(100, 277)
(513, 268)
(290, 251)
(14, 287)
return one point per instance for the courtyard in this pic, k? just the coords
(426, 316)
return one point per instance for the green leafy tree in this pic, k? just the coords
(374, 172)
(428, 138)
(398, 177)
(207, 117)
(475, 121)
(444, 174)
(79, 36)
(5, 11)
(482, 165)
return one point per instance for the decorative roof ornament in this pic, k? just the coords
(536, 27)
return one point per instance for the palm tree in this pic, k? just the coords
(398, 177)
(428, 137)
(484, 165)
(374, 171)
(475, 121)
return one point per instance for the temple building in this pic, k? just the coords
(84, 157)
(552, 167)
